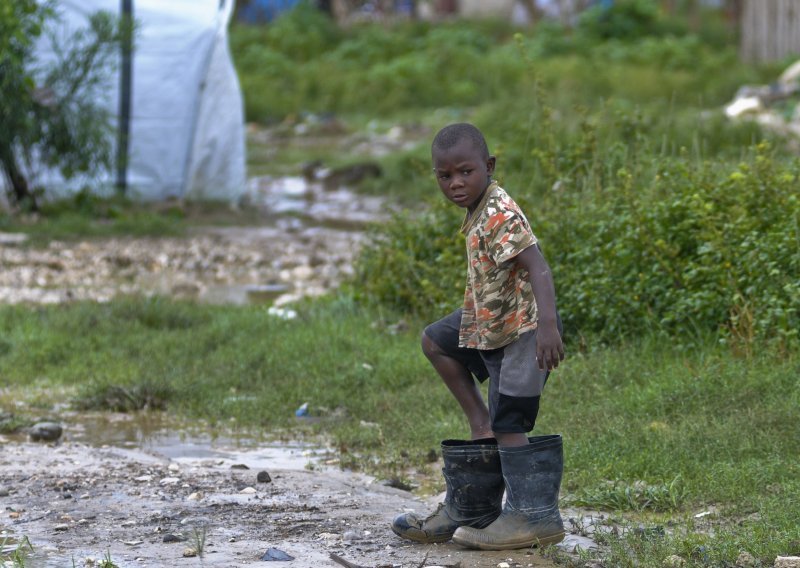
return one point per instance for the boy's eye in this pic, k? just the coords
(466, 172)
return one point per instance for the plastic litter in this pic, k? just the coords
(276, 555)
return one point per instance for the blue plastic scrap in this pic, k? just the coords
(276, 555)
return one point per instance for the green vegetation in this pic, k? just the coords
(15, 552)
(86, 215)
(674, 247)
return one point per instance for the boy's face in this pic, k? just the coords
(463, 173)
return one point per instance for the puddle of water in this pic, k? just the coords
(244, 294)
(190, 445)
(270, 455)
(310, 201)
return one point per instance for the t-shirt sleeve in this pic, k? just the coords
(507, 235)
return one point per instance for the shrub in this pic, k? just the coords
(666, 245)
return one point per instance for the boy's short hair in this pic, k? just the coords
(451, 135)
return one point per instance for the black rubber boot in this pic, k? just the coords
(530, 515)
(474, 493)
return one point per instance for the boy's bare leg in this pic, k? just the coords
(461, 384)
(511, 439)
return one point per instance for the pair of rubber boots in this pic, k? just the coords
(476, 474)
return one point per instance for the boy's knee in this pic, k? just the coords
(429, 347)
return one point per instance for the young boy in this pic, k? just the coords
(508, 331)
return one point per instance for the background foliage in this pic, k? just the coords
(657, 214)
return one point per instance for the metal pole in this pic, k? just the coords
(125, 85)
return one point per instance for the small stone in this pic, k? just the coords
(503, 565)
(673, 561)
(169, 537)
(143, 478)
(174, 467)
(248, 491)
(745, 560)
(787, 562)
(239, 466)
(5, 492)
(302, 272)
(263, 477)
(196, 496)
(45, 432)
(189, 552)
(350, 536)
(169, 481)
(276, 554)
(61, 528)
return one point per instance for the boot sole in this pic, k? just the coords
(511, 545)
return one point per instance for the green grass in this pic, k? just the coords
(88, 216)
(652, 432)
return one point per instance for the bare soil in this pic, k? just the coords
(76, 503)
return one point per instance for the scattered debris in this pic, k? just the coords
(775, 106)
(11, 239)
(673, 561)
(189, 552)
(745, 560)
(276, 555)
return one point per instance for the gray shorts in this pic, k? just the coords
(516, 382)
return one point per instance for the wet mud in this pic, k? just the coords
(79, 503)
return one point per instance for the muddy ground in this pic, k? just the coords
(78, 503)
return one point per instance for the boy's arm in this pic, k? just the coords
(549, 348)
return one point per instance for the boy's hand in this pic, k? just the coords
(549, 348)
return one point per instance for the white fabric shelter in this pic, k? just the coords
(186, 134)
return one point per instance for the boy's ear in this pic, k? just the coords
(490, 165)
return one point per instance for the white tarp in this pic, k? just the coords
(187, 137)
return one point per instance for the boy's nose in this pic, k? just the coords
(456, 182)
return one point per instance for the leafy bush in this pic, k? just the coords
(624, 19)
(416, 262)
(691, 249)
(664, 245)
(303, 63)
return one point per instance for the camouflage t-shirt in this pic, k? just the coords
(498, 302)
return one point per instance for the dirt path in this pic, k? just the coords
(77, 503)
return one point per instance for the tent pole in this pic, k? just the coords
(125, 84)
